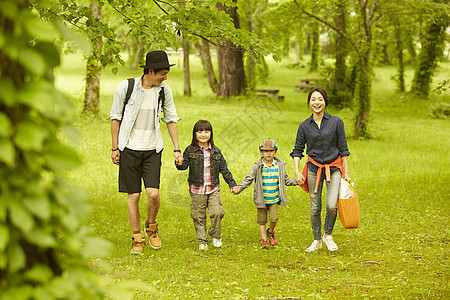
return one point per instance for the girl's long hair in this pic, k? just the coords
(200, 126)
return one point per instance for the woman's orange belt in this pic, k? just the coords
(337, 163)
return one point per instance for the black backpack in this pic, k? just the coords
(161, 97)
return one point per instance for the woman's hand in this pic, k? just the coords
(347, 177)
(299, 178)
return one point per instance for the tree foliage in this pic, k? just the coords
(40, 214)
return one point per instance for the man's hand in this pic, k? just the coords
(115, 156)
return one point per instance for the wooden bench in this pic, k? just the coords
(269, 93)
(309, 83)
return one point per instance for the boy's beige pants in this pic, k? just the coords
(198, 214)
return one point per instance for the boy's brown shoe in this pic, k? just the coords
(153, 237)
(137, 247)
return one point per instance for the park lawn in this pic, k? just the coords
(401, 175)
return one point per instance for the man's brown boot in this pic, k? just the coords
(153, 237)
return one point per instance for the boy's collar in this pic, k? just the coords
(268, 166)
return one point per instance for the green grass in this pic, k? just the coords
(402, 177)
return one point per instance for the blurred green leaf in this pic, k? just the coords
(60, 157)
(32, 60)
(9, 9)
(43, 91)
(16, 257)
(96, 247)
(4, 237)
(49, 53)
(76, 37)
(20, 218)
(8, 91)
(30, 136)
(40, 273)
(72, 133)
(5, 125)
(7, 152)
(63, 289)
(43, 31)
(40, 207)
(41, 238)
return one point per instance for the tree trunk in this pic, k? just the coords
(432, 50)
(315, 48)
(205, 56)
(364, 80)
(186, 69)
(230, 58)
(399, 49)
(338, 91)
(93, 70)
(138, 56)
(364, 96)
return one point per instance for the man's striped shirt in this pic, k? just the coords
(270, 183)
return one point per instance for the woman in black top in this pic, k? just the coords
(327, 151)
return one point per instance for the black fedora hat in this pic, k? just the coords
(157, 60)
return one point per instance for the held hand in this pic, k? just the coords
(235, 190)
(178, 158)
(299, 178)
(115, 156)
(179, 162)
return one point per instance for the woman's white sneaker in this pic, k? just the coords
(202, 247)
(331, 245)
(316, 245)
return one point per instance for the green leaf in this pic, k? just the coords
(115, 70)
(5, 125)
(60, 157)
(43, 31)
(96, 247)
(16, 257)
(3, 260)
(30, 136)
(77, 38)
(49, 53)
(8, 91)
(7, 152)
(39, 95)
(9, 9)
(41, 238)
(40, 273)
(20, 218)
(4, 237)
(63, 289)
(32, 60)
(72, 133)
(40, 207)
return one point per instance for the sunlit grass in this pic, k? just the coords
(402, 177)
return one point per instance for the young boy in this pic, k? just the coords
(270, 178)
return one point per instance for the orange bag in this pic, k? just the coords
(349, 209)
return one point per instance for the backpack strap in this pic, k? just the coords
(129, 92)
(162, 97)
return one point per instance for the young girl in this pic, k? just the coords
(205, 161)
(328, 153)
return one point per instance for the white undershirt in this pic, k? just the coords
(143, 133)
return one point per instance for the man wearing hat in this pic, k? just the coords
(269, 174)
(137, 142)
